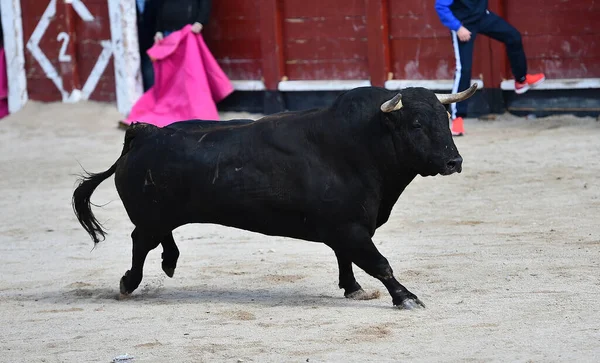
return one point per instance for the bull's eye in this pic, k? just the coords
(416, 124)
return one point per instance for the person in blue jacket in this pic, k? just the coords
(466, 19)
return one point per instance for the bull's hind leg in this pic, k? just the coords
(364, 254)
(352, 288)
(142, 244)
(170, 254)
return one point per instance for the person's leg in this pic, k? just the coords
(147, 71)
(463, 53)
(499, 29)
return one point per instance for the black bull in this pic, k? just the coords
(329, 175)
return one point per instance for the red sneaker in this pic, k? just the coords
(531, 80)
(458, 127)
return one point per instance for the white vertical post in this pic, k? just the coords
(15, 56)
(123, 28)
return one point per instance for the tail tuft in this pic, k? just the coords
(82, 204)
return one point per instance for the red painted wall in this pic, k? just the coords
(379, 39)
(325, 39)
(233, 36)
(561, 38)
(274, 40)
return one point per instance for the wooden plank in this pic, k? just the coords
(87, 56)
(566, 68)
(232, 28)
(334, 26)
(415, 50)
(411, 8)
(91, 32)
(535, 6)
(236, 48)
(565, 22)
(320, 8)
(498, 61)
(562, 42)
(233, 35)
(422, 48)
(348, 69)
(41, 88)
(378, 41)
(106, 89)
(68, 63)
(241, 69)
(429, 68)
(32, 11)
(234, 9)
(326, 48)
(483, 62)
(271, 43)
(422, 26)
(562, 46)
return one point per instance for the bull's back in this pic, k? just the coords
(199, 126)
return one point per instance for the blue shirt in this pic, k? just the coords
(454, 13)
(140, 4)
(446, 17)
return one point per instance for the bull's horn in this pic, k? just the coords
(457, 97)
(392, 105)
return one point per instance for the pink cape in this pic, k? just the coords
(188, 82)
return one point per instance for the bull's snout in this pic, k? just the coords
(454, 166)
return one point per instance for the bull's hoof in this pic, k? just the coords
(123, 285)
(121, 297)
(170, 271)
(363, 295)
(410, 304)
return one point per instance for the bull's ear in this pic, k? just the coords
(392, 105)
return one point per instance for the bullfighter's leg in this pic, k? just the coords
(170, 254)
(142, 244)
(365, 255)
(352, 289)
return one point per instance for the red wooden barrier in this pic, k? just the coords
(367, 39)
(69, 53)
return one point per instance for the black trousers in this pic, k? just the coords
(496, 28)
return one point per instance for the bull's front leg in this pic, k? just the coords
(360, 249)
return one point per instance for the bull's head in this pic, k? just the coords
(421, 133)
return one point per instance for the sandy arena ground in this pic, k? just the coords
(504, 255)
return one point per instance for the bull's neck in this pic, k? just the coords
(370, 145)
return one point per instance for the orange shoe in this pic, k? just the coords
(458, 127)
(531, 80)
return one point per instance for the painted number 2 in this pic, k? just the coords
(62, 56)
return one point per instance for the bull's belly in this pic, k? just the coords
(268, 220)
(162, 212)
(273, 225)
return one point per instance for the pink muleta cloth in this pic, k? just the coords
(188, 82)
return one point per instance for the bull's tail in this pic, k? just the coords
(82, 206)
